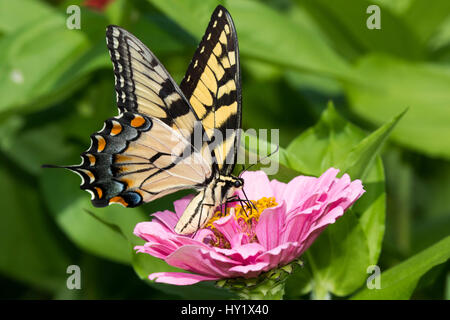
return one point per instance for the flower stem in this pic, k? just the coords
(267, 286)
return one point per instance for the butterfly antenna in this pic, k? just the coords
(245, 169)
(269, 155)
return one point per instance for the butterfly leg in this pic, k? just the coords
(248, 201)
(243, 202)
(208, 204)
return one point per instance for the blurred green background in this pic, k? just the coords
(57, 87)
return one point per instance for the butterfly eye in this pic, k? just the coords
(238, 183)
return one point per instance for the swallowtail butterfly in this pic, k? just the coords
(149, 149)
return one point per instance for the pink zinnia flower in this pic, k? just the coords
(247, 242)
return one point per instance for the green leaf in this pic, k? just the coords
(345, 23)
(266, 156)
(334, 142)
(192, 15)
(371, 208)
(27, 83)
(326, 144)
(24, 80)
(30, 148)
(118, 12)
(338, 259)
(300, 49)
(361, 157)
(439, 43)
(16, 14)
(400, 281)
(162, 36)
(383, 87)
(30, 251)
(299, 283)
(430, 17)
(447, 287)
(70, 207)
(419, 199)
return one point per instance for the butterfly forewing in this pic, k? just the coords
(143, 84)
(213, 87)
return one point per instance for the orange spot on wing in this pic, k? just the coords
(91, 159)
(137, 121)
(119, 200)
(99, 192)
(116, 129)
(101, 143)
(89, 174)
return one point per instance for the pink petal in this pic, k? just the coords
(179, 278)
(281, 255)
(302, 189)
(327, 178)
(158, 250)
(256, 185)
(228, 226)
(181, 205)
(328, 218)
(151, 229)
(251, 270)
(196, 260)
(297, 191)
(239, 239)
(356, 190)
(203, 235)
(156, 233)
(278, 189)
(270, 224)
(243, 254)
(166, 217)
(296, 226)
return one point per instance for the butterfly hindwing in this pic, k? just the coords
(136, 159)
(97, 168)
(213, 87)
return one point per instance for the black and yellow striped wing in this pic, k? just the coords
(212, 85)
(143, 85)
(146, 151)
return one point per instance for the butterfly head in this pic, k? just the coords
(238, 182)
(230, 182)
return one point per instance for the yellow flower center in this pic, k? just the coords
(246, 216)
